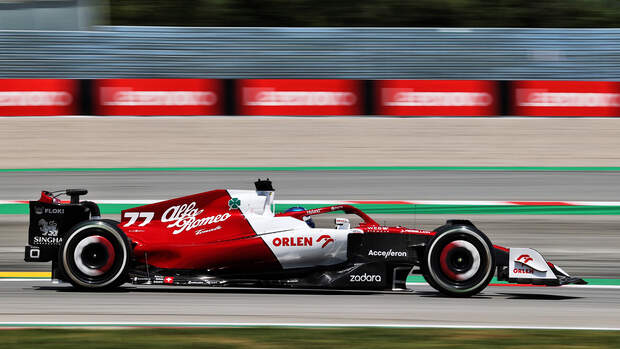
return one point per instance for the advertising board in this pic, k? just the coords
(565, 98)
(299, 97)
(436, 97)
(38, 97)
(157, 97)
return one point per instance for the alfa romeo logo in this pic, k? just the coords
(234, 203)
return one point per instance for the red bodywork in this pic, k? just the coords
(173, 238)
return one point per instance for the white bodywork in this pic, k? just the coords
(526, 263)
(292, 241)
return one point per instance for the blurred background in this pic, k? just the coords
(81, 14)
(504, 112)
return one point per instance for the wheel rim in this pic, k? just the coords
(94, 255)
(459, 260)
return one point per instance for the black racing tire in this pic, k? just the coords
(459, 261)
(95, 255)
(427, 276)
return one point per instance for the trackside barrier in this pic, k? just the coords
(437, 97)
(565, 98)
(299, 97)
(38, 97)
(43, 97)
(158, 97)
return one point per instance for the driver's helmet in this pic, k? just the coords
(307, 219)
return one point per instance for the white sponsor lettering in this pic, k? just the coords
(47, 240)
(377, 228)
(174, 213)
(387, 254)
(365, 278)
(204, 231)
(154, 98)
(542, 98)
(265, 97)
(401, 98)
(133, 217)
(184, 217)
(35, 98)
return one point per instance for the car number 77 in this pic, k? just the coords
(133, 217)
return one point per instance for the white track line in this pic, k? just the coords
(294, 324)
(23, 279)
(616, 287)
(593, 286)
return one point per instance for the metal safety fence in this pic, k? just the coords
(334, 53)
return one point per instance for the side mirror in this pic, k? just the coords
(342, 223)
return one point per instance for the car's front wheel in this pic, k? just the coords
(459, 260)
(95, 255)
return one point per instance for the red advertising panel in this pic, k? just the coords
(158, 97)
(436, 97)
(299, 97)
(565, 98)
(37, 97)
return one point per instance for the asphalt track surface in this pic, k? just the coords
(39, 301)
(585, 246)
(363, 185)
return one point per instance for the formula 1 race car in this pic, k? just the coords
(234, 238)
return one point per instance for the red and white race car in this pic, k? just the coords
(234, 238)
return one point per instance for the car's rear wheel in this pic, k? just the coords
(459, 260)
(95, 255)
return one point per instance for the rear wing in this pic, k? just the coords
(51, 219)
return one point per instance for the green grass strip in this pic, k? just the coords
(402, 209)
(325, 168)
(603, 282)
(13, 208)
(311, 338)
